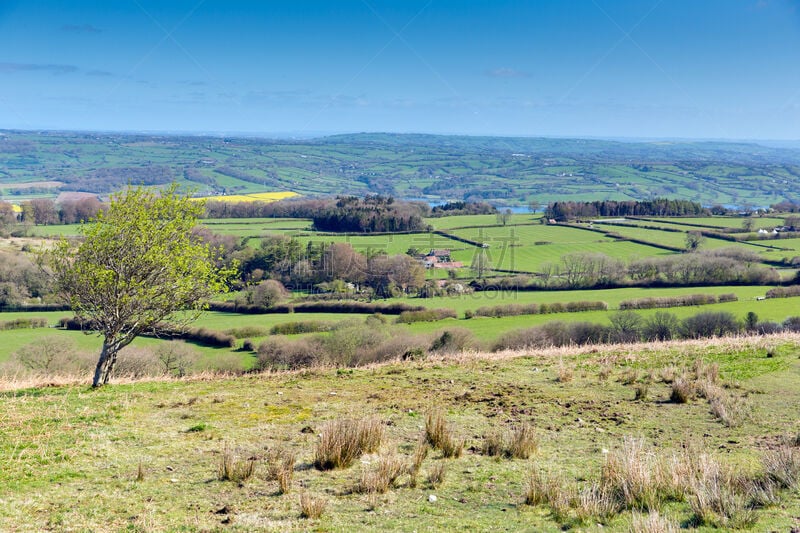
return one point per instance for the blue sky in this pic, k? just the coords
(602, 68)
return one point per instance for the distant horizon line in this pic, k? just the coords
(294, 135)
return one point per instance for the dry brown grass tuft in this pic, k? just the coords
(343, 441)
(641, 392)
(565, 372)
(436, 474)
(630, 377)
(782, 465)
(524, 442)
(420, 453)
(280, 468)
(732, 411)
(379, 477)
(682, 390)
(634, 475)
(715, 503)
(312, 506)
(706, 371)
(653, 523)
(231, 468)
(440, 436)
(494, 444)
(542, 488)
(595, 503)
(140, 472)
(668, 374)
(604, 373)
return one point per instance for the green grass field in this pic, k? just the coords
(145, 456)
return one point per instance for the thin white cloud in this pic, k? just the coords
(13, 68)
(506, 72)
(80, 28)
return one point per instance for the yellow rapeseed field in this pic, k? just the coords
(254, 197)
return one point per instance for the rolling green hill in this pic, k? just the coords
(504, 171)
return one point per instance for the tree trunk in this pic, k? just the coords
(102, 372)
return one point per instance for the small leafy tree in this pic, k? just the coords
(137, 269)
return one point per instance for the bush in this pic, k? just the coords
(134, 362)
(305, 326)
(428, 315)
(176, 357)
(710, 324)
(247, 331)
(536, 309)
(792, 324)
(267, 293)
(24, 323)
(662, 326)
(454, 340)
(49, 356)
(286, 354)
(674, 301)
(552, 334)
(784, 292)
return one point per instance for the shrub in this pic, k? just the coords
(49, 355)
(454, 340)
(535, 309)
(266, 293)
(343, 441)
(247, 331)
(305, 326)
(282, 353)
(710, 324)
(674, 301)
(661, 326)
(792, 323)
(176, 357)
(428, 315)
(136, 363)
(784, 292)
(24, 323)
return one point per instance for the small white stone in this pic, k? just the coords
(432, 498)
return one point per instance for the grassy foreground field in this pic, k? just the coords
(145, 456)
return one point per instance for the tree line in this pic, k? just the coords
(660, 207)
